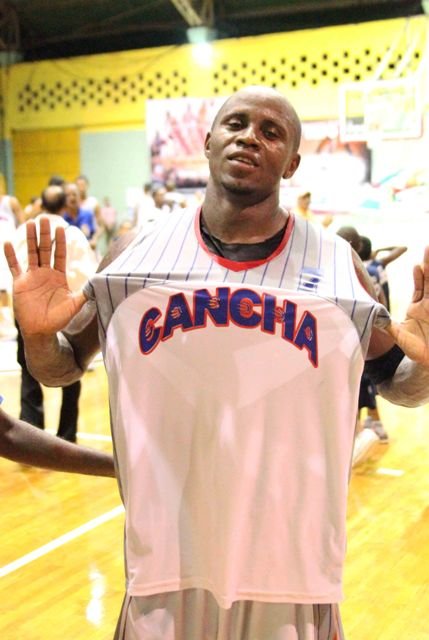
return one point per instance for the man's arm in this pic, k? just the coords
(21, 442)
(408, 384)
(394, 253)
(59, 327)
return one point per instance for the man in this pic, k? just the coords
(87, 202)
(21, 442)
(76, 215)
(376, 264)
(146, 212)
(302, 208)
(81, 265)
(11, 215)
(225, 332)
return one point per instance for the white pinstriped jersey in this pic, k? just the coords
(233, 452)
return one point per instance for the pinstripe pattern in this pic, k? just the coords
(311, 265)
(171, 253)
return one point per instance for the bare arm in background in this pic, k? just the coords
(21, 442)
(393, 254)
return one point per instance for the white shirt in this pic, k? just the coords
(81, 263)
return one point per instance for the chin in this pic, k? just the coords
(238, 189)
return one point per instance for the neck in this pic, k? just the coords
(233, 221)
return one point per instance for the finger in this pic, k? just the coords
(11, 260)
(60, 250)
(45, 242)
(418, 283)
(426, 273)
(32, 249)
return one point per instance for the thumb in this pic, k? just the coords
(79, 299)
(414, 346)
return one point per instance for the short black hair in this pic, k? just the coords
(56, 180)
(365, 250)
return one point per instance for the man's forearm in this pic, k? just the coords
(21, 442)
(409, 387)
(51, 360)
(58, 360)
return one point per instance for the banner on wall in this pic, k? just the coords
(335, 172)
(176, 130)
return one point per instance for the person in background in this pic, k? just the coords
(376, 264)
(370, 432)
(173, 198)
(81, 264)
(225, 333)
(302, 209)
(11, 215)
(21, 442)
(33, 208)
(108, 223)
(159, 198)
(145, 211)
(75, 215)
(87, 201)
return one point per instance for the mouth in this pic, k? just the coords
(244, 158)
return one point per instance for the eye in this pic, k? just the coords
(271, 133)
(235, 124)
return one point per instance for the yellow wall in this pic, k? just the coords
(109, 91)
(41, 154)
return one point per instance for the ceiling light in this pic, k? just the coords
(199, 35)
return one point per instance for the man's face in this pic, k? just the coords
(82, 187)
(72, 196)
(252, 144)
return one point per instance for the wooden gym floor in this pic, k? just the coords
(61, 566)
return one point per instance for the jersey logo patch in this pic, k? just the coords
(310, 278)
(244, 308)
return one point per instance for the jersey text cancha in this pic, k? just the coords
(233, 392)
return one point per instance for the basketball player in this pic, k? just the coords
(225, 332)
(21, 442)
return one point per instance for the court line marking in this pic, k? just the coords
(59, 542)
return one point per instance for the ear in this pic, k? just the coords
(293, 166)
(207, 145)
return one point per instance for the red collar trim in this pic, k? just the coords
(235, 265)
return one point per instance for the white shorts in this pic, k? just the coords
(193, 614)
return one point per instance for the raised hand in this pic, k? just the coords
(43, 302)
(412, 335)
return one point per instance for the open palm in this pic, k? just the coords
(412, 335)
(43, 302)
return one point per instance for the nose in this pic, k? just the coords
(248, 136)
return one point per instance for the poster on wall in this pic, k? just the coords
(176, 130)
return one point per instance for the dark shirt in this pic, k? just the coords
(241, 252)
